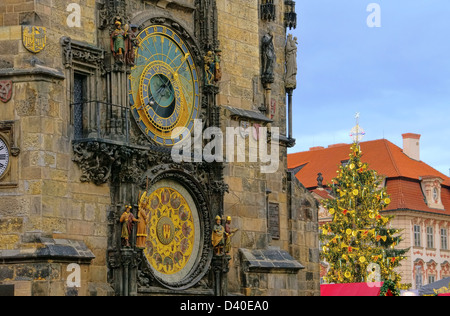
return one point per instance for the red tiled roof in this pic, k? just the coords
(322, 193)
(407, 194)
(381, 155)
(403, 173)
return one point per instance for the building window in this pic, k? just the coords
(417, 242)
(430, 237)
(435, 195)
(444, 243)
(79, 98)
(418, 277)
(431, 279)
(431, 188)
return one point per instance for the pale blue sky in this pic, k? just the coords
(396, 76)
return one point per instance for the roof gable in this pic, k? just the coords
(381, 155)
(403, 173)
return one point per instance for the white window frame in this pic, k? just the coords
(430, 237)
(444, 239)
(417, 239)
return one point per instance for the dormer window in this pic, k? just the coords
(431, 188)
(435, 195)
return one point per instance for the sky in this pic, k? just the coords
(397, 75)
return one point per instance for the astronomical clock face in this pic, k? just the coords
(173, 233)
(164, 86)
(4, 157)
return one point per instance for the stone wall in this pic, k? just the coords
(251, 191)
(304, 237)
(49, 267)
(47, 195)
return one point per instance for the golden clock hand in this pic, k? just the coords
(182, 63)
(182, 96)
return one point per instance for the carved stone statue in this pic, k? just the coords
(132, 44)
(217, 237)
(320, 180)
(291, 62)
(218, 70)
(209, 68)
(127, 219)
(118, 42)
(143, 218)
(268, 58)
(228, 234)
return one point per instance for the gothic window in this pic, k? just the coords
(84, 71)
(79, 98)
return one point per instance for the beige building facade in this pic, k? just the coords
(420, 200)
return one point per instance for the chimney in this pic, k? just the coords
(411, 145)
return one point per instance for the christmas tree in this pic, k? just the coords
(359, 243)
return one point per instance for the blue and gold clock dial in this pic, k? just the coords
(164, 87)
(4, 157)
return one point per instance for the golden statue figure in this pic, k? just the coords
(217, 237)
(228, 234)
(209, 68)
(127, 219)
(218, 70)
(119, 45)
(143, 218)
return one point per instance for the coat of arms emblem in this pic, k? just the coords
(6, 90)
(34, 38)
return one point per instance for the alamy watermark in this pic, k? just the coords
(374, 18)
(74, 18)
(231, 146)
(74, 278)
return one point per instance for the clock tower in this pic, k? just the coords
(95, 104)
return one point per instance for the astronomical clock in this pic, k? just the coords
(155, 70)
(165, 96)
(173, 233)
(4, 157)
(164, 86)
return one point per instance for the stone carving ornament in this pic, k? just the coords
(6, 90)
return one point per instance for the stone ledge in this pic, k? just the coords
(269, 261)
(247, 114)
(64, 250)
(36, 73)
